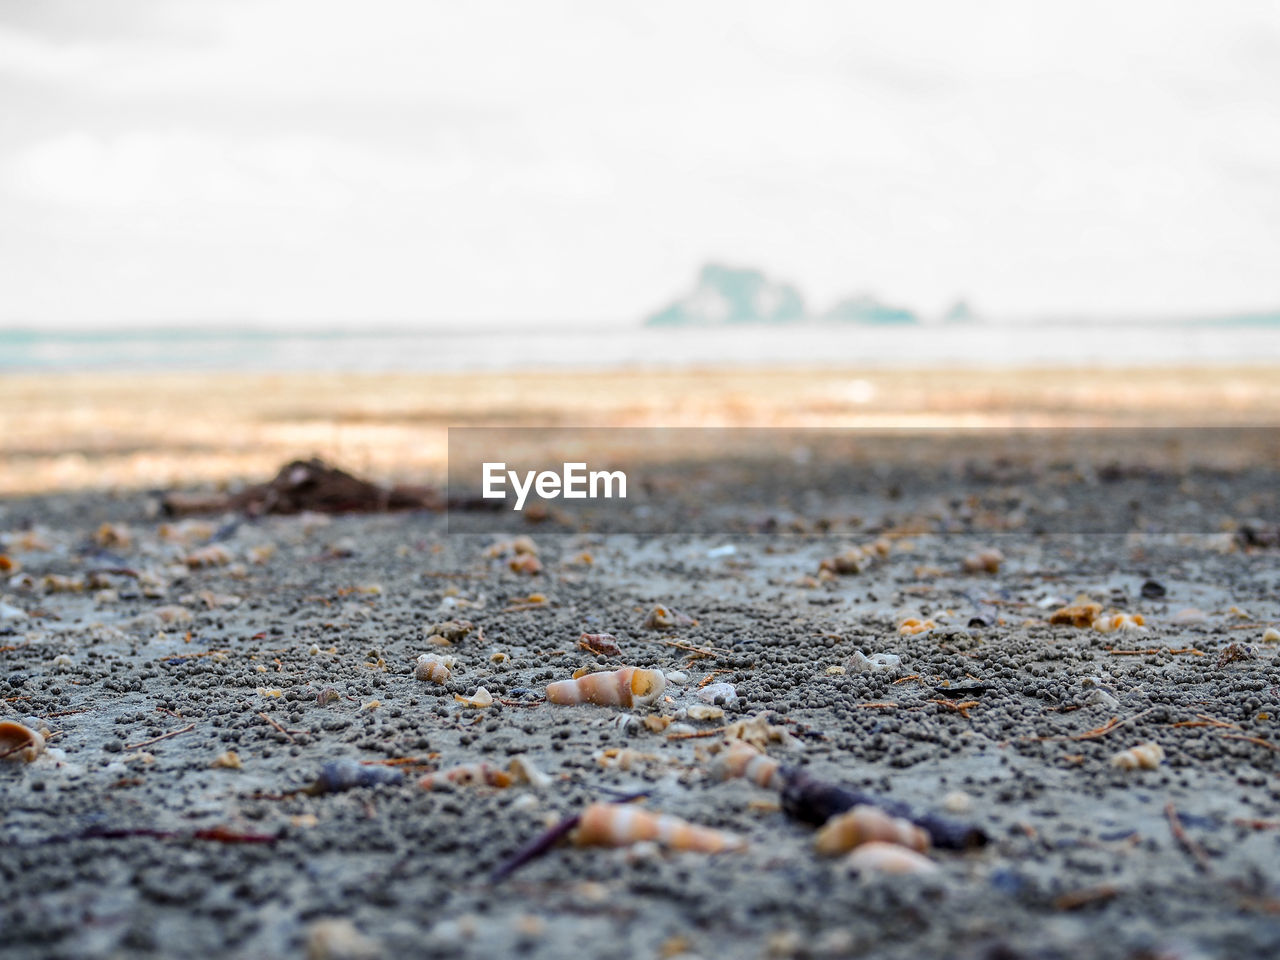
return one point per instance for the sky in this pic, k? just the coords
(310, 162)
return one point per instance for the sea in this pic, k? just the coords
(533, 347)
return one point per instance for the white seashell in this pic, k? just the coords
(957, 801)
(680, 678)
(337, 939)
(1101, 698)
(1271, 635)
(710, 692)
(1145, 756)
(859, 662)
(628, 687)
(704, 711)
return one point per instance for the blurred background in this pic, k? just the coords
(235, 233)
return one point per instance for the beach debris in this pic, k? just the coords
(624, 758)
(1236, 652)
(718, 691)
(58, 583)
(8, 564)
(308, 485)
(433, 667)
(523, 770)
(1189, 616)
(677, 677)
(526, 563)
(339, 775)
(171, 614)
(1270, 635)
(739, 759)
(1145, 756)
(628, 687)
(662, 617)
(859, 662)
(810, 800)
(10, 612)
(914, 625)
(186, 532)
(957, 801)
(1081, 612)
(20, 742)
(227, 760)
(987, 560)
(878, 857)
(336, 938)
(479, 700)
(867, 824)
(450, 631)
(1125, 622)
(605, 644)
(620, 825)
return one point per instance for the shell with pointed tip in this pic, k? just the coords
(628, 687)
(620, 825)
(866, 824)
(467, 775)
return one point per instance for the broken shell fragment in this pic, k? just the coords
(434, 668)
(741, 759)
(628, 687)
(704, 711)
(620, 825)
(480, 699)
(1080, 613)
(1119, 621)
(713, 692)
(914, 625)
(228, 760)
(213, 555)
(451, 631)
(866, 824)
(1271, 635)
(19, 742)
(879, 857)
(859, 662)
(665, 618)
(1145, 756)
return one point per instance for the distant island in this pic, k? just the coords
(729, 296)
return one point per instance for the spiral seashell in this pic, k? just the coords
(620, 825)
(741, 759)
(866, 824)
(664, 618)
(434, 668)
(1145, 756)
(628, 687)
(880, 857)
(19, 742)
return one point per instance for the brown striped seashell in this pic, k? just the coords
(628, 687)
(741, 759)
(620, 825)
(434, 668)
(867, 824)
(19, 742)
(879, 857)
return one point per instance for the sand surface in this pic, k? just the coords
(996, 715)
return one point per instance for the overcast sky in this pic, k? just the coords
(296, 161)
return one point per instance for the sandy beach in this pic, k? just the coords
(148, 650)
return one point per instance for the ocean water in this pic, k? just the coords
(974, 345)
